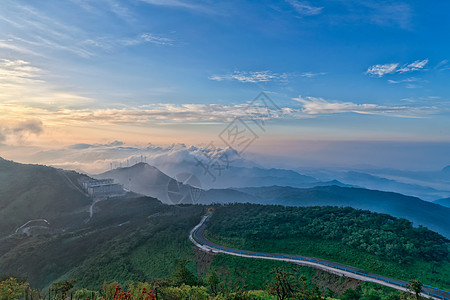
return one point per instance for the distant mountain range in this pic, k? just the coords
(150, 181)
(380, 183)
(428, 186)
(240, 173)
(237, 172)
(444, 202)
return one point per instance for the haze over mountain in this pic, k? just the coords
(150, 181)
(444, 202)
(180, 158)
(428, 185)
(147, 180)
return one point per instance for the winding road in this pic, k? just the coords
(197, 237)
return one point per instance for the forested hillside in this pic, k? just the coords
(34, 192)
(375, 242)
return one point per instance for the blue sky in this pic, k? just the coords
(170, 71)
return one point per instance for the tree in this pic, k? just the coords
(213, 281)
(61, 288)
(415, 287)
(281, 284)
(182, 274)
(12, 288)
(351, 294)
(371, 294)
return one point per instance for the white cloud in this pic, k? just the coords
(253, 77)
(304, 8)
(411, 79)
(18, 131)
(417, 65)
(158, 40)
(413, 86)
(10, 46)
(149, 38)
(261, 76)
(319, 106)
(14, 73)
(97, 158)
(23, 89)
(311, 75)
(160, 114)
(388, 14)
(443, 65)
(178, 4)
(381, 70)
(165, 114)
(36, 32)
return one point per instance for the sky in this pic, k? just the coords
(310, 82)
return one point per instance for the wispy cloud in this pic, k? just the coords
(443, 65)
(389, 14)
(417, 65)
(105, 6)
(262, 76)
(149, 38)
(410, 83)
(304, 8)
(21, 82)
(9, 45)
(191, 5)
(253, 77)
(320, 106)
(413, 86)
(160, 114)
(411, 79)
(312, 75)
(37, 34)
(17, 71)
(381, 70)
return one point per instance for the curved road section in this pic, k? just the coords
(197, 237)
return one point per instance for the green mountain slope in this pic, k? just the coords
(38, 192)
(420, 212)
(375, 242)
(127, 239)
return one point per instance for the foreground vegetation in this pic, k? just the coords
(283, 284)
(374, 242)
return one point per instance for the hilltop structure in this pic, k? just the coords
(103, 188)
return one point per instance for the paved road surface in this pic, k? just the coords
(198, 238)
